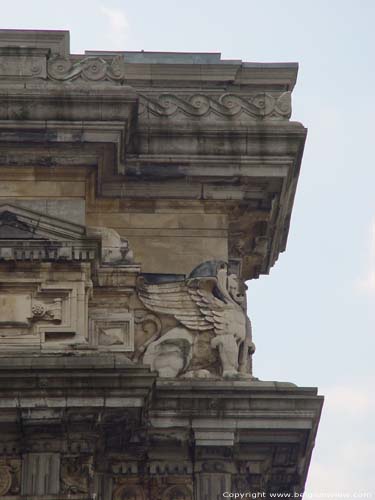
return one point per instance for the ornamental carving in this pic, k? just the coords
(209, 309)
(10, 470)
(47, 312)
(5, 480)
(170, 487)
(75, 474)
(88, 68)
(114, 249)
(29, 236)
(260, 105)
(128, 492)
(148, 329)
(179, 492)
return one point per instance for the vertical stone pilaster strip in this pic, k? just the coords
(41, 474)
(211, 486)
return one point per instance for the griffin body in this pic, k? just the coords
(208, 300)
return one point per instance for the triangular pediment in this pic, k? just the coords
(18, 223)
(26, 235)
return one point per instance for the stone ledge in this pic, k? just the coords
(108, 361)
(220, 386)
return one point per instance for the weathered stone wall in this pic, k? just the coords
(170, 236)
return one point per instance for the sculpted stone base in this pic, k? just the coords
(99, 426)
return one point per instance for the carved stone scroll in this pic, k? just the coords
(260, 105)
(88, 68)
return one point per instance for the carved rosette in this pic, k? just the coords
(47, 312)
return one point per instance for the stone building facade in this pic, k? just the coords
(138, 192)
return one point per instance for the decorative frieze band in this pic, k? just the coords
(88, 68)
(260, 105)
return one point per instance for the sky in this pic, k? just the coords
(313, 316)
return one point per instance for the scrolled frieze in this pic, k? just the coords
(259, 106)
(88, 68)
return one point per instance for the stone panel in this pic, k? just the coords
(182, 254)
(112, 330)
(45, 315)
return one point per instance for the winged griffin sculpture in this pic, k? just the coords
(210, 301)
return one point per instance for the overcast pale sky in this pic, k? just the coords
(313, 317)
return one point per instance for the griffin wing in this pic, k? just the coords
(214, 310)
(175, 299)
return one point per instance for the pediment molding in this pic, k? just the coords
(38, 226)
(26, 235)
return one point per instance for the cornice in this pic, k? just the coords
(55, 41)
(158, 127)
